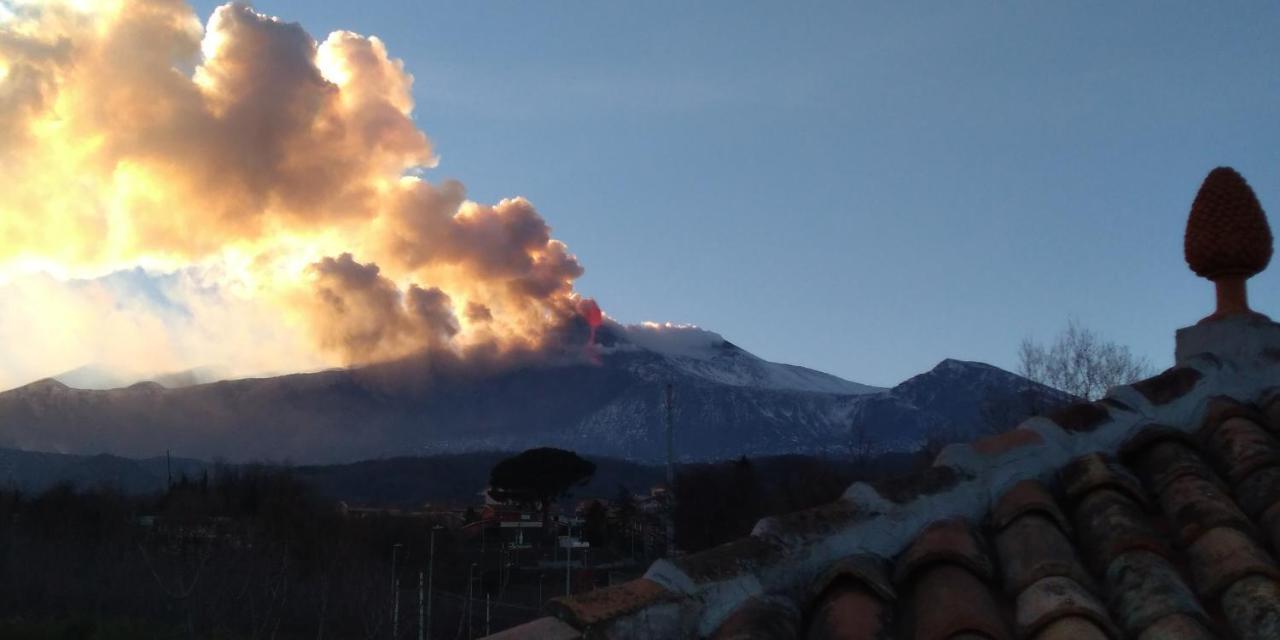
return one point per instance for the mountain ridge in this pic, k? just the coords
(728, 403)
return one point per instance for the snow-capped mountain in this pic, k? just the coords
(728, 402)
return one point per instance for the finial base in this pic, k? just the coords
(1233, 298)
(1241, 339)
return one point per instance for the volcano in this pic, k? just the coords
(728, 403)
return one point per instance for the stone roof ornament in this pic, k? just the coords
(1228, 239)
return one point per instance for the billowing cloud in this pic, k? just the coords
(138, 325)
(285, 171)
(363, 315)
(478, 313)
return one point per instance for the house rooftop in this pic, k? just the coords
(1153, 513)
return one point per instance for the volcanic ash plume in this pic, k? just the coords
(264, 190)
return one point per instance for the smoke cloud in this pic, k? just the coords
(270, 181)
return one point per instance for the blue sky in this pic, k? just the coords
(862, 188)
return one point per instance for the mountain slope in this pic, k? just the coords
(727, 403)
(92, 376)
(954, 401)
(708, 356)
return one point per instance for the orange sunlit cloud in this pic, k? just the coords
(274, 173)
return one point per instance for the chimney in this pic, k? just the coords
(1228, 241)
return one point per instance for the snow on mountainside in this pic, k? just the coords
(706, 355)
(608, 401)
(954, 401)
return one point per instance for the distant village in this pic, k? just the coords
(596, 537)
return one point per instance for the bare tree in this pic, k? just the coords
(1080, 362)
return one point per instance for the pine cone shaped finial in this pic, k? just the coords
(1227, 232)
(1228, 239)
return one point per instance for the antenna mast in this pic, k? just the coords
(671, 471)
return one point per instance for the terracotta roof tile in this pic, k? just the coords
(1196, 505)
(1256, 493)
(1071, 629)
(1033, 547)
(587, 609)
(947, 600)
(1241, 447)
(1144, 587)
(1169, 386)
(849, 612)
(1252, 608)
(1167, 459)
(949, 541)
(1177, 627)
(1028, 496)
(1224, 555)
(1007, 441)
(761, 619)
(1271, 405)
(1095, 471)
(1109, 524)
(928, 482)
(1152, 433)
(727, 560)
(868, 571)
(814, 521)
(1051, 599)
(1270, 521)
(1222, 408)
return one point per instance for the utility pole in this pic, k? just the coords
(471, 587)
(395, 593)
(419, 605)
(487, 633)
(568, 553)
(395, 614)
(671, 471)
(431, 570)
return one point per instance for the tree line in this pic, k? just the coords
(237, 553)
